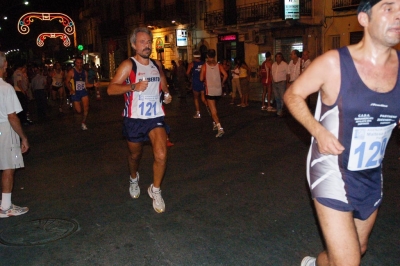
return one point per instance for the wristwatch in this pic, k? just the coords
(133, 86)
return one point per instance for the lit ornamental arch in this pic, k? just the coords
(28, 18)
(43, 36)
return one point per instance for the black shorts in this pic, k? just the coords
(137, 130)
(54, 88)
(215, 98)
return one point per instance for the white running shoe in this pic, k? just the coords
(84, 127)
(308, 261)
(197, 115)
(134, 188)
(158, 202)
(220, 133)
(14, 210)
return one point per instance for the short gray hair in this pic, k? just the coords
(137, 30)
(3, 59)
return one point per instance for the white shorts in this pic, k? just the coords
(10, 148)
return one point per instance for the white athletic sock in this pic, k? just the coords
(5, 201)
(219, 126)
(133, 179)
(155, 189)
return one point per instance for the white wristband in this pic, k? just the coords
(166, 95)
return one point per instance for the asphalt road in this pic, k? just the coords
(237, 200)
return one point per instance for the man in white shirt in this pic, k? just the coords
(13, 142)
(279, 76)
(21, 91)
(294, 67)
(305, 60)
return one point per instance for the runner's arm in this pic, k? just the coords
(314, 80)
(67, 80)
(203, 73)
(190, 66)
(224, 74)
(118, 85)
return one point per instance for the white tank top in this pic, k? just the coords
(57, 79)
(213, 80)
(146, 104)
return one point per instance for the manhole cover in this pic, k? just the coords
(37, 232)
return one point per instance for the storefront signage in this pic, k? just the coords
(292, 9)
(228, 37)
(159, 43)
(181, 38)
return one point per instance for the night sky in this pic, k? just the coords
(10, 38)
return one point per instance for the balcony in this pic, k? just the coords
(342, 5)
(257, 12)
(184, 14)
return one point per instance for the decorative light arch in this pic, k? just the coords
(43, 36)
(28, 18)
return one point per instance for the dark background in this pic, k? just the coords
(10, 38)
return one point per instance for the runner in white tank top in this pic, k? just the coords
(210, 74)
(213, 80)
(141, 80)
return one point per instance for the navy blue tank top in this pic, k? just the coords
(362, 109)
(79, 80)
(362, 120)
(196, 83)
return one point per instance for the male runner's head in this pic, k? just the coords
(141, 41)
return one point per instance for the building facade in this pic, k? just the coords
(244, 29)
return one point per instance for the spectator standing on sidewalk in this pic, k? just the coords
(305, 60)
(38, 86)
(13, 142)
(266, 81)
(294, 67)
(21, 91)
(279, 76)
(228, 84)
(236, 82)
(244, 77)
